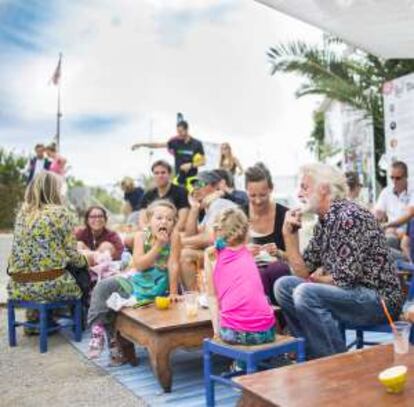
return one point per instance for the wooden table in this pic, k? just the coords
(162, 331)
(349, 379)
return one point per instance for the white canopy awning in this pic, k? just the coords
(382, 27)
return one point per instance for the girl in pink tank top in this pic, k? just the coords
(239, 307)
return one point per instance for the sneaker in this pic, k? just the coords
(97, 342)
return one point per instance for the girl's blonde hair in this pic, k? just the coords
(44, 190)
(162, 203)
(232, 224)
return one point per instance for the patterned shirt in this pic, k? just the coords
(44, 241)
(350, 245)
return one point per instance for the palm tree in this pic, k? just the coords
(354, 78)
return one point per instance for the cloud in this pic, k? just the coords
(177, 19)
(119, 75)
(22, 24)
(97, 123)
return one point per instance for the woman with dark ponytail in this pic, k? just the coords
(265, 227)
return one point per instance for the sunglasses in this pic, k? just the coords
(197, 184)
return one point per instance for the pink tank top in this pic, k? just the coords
(57, 166)
(240, 294)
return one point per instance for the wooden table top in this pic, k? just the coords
(349, 379)
(165, 320)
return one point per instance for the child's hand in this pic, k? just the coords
(271, 248)
(254, 249)
(175, 297)
(162, 237)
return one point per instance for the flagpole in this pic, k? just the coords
(59, 113)
(58, 116)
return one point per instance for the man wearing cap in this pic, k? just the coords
(206, 197)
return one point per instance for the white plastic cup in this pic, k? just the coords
(191, 303)
(401, 337)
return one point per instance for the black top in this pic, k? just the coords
(134, 198)
(276, 236)
(176, 195)
(184, 152)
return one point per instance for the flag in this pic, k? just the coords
(56, 75)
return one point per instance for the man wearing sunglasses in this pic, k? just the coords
(395, 205)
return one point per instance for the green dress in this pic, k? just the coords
(150, 283)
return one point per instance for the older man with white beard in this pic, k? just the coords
(343, 273)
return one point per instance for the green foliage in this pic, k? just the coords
(74, 182)
(12, 186)
(355, 78)
(110, 202)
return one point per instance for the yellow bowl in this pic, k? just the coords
(162, 302)
(394, 378)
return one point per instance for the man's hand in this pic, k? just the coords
(319, 276)
(194, 203)
(293, 222)
(186, 167)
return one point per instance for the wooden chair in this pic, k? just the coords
(250, 355)
(43, 308)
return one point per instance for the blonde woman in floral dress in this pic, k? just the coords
(44, 247)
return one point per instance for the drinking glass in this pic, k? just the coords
(191, 303)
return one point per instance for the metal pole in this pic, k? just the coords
(59, 115)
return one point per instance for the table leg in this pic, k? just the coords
(128, 349)
(159, 355)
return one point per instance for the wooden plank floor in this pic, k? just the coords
(188, 386)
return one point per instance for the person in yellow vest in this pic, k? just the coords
(188, 154)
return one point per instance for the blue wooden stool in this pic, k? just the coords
(43, 309)
(250, 355)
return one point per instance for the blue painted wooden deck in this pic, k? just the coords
(188, 386)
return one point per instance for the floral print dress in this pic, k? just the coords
(44, 241)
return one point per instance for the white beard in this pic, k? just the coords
(310, 206)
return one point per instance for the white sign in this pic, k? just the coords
(399, 121)
(351, 132)
(212, 154)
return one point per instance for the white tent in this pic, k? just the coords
(382, 27)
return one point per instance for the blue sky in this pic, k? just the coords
(129, 66)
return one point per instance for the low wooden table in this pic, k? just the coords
(162, 331)
(349, 379)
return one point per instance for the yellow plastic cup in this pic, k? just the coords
(162, 302)
(394, 378)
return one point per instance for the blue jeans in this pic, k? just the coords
(317, 311)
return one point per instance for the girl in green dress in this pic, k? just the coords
(156, 264)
